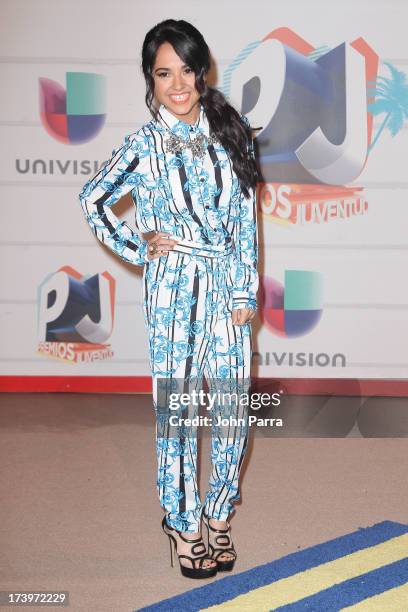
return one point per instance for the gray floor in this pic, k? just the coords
(79, 506)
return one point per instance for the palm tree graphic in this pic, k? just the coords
(391, 97)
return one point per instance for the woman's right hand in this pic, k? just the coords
(160, 244)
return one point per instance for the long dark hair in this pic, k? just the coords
(225, 122)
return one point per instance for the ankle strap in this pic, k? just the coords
(208, 518)
(184, 538)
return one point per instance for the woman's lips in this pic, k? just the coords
(179, 98)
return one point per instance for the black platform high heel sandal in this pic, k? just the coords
(198, 554)
(223, 539)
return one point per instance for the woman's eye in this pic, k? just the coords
(165, 74)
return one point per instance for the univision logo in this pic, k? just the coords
(295, 308)
(77, 114)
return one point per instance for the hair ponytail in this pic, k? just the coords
(235, 135)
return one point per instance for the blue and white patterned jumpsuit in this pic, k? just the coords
(188, 295)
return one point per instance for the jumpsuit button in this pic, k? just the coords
(202, 180)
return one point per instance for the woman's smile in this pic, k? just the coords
(179, 98)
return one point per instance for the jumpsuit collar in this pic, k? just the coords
(169, 121)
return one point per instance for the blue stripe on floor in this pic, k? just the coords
(224, 589)
(354, 590)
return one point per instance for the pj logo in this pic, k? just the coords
(75, 315)
(314, 108)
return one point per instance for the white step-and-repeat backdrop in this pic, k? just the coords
(327, 84)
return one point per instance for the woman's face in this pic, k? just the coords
(174, 85)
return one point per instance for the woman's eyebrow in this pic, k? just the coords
(164, 68)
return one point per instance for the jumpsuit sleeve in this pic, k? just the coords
(117, 177)
(246, 278)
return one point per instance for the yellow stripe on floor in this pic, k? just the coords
(393, 600)
(311, 581)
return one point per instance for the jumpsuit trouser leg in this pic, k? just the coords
(187, 309)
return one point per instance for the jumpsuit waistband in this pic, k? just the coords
(211, 251)
(192, 247)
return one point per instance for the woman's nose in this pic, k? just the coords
(178, 81)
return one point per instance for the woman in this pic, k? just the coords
(192, 175)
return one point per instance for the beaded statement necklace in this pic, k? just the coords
(198, 145)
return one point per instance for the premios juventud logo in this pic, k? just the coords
(74, 114)
(314, 108)
(76, 315)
